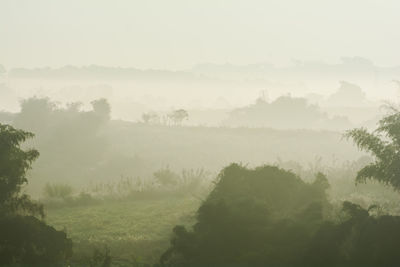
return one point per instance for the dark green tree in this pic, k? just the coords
(14, 163)
(358, 240)
(24, 239)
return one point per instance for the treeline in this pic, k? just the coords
(286, 112)
(81, 145)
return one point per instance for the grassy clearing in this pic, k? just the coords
(135, 230)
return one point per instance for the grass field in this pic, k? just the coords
(133, 230)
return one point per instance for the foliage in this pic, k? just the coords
(358, 240)
(27, 240)
(384, 145)
(14, 163)
(166, 177)
(268, 216)
(253, 216)
(110, 220)
(177, 116)
(102, 108)
(24, 239)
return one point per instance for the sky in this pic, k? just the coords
(177, 34)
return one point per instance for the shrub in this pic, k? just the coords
(166, 177)
(62, 191)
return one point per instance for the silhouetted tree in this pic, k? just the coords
(102, 108)
(348, 94)
(35, 114)
(177, 116)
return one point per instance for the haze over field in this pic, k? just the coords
(157, 55)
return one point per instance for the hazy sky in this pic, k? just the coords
(177, 34)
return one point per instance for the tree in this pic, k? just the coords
(262, 216)
(177, 116)
(270, 217)
(102, 108)
(70, 139)
(384, 145)
(24, 239)
(35, 114)
(150, 117)
(14, 163)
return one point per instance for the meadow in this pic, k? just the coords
(134, 231)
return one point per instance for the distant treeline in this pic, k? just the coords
(80, 146)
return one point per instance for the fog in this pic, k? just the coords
(218, 55)
(354, 88)
(163, 133)
(178, 34)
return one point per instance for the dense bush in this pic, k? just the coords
(269, 216)
(28, 240)
(260, 216)
(358, 240)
